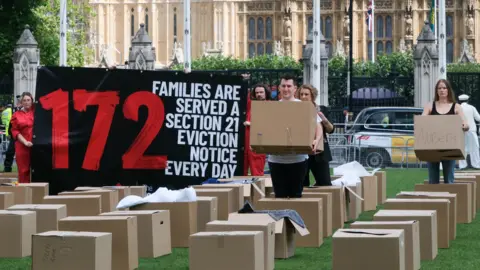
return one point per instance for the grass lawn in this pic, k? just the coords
(462, 254)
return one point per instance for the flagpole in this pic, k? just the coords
(187, 54)
(435, 22)
(373, 31)
(63, 33)
(442, 42)
(316, 47)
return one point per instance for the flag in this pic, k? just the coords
(431, 16)
(370, 16)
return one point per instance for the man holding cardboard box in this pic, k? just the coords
(288, 170)
(444, 104)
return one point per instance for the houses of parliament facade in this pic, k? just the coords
(244, 29)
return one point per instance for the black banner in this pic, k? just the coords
(97, 127)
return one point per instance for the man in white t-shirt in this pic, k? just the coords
(288, 170)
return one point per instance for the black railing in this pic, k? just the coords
(466, 83)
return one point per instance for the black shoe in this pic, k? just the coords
(7, 169)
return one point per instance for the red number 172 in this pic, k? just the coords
(134, 158)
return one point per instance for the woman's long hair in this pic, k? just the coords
(313, 92)
(451, 96)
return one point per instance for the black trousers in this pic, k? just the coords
(287, 179)
(9, 155)
(320, 170)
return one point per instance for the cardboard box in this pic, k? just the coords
(369, 193)
(327, 210)
(311, 212)
(386, 249)
(6, 200)
(39, 190)
(124, 236)
(21, 194)
(285, 231)
(183, 219)
(353, 204)
(412, 237)
(48, 215)
(252, 192)
(382, 186)
(442, 206)
(464, 197)
(474, 195)
(81, 205)
(109, 198)
(237, 193)
(226, 250)
(286, 136)
(437, 195)
(338, 203)
(16, 230)
(470, 177)
(140, 191)
(57, 250)
(207, 211)
(428, 228)
(439, 137)
(153, 231)
(267, 227)
(122, 191)
(225, 198)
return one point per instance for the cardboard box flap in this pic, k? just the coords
(253, 216)
(298, 228)
(368, 232)
(70, 234)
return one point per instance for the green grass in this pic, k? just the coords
(462, 254)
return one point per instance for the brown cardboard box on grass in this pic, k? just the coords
(7, 199)
(207, 211)
(76, 251)
(474, 195)
(286, 136)
(464, 197)
(437, 195)
(123, 191)
(382, 186)
(442, 206)
(310, 210)
(48, 215)
(78, 205)
(372, 249)
(227, 250)
(225, 198)
(428, 228)
(140, 191)
(353, 203)
(124, 236)
(470, 177)
(237, 193)
(109, 198)
(338, 203)
(39, 190)
(16, 230)
(439, 137)
(327, 210)
(183, 219)
(369, 193)
(412, 237)
(285, 232)
(267, 227)
(153, 231)
(21, 194)
(87, 188)
(252, 192)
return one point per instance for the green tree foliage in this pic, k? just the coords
(259, 62)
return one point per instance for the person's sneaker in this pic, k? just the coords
(7, 169)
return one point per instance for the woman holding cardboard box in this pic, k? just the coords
(288, 170)
(444, 104)
(318, 162)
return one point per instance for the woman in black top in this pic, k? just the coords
(318, 163)
(444, 104)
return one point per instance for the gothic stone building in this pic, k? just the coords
(246, 28)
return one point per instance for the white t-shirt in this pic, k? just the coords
(290, 158)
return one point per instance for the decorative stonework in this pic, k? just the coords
(142, 54)
(26, 59)
(259, 6)
(324, 5)
(383, 4)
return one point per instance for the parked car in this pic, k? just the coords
(383, 136)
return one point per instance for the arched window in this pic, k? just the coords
(309, 25)
(251, 50)
(450, 29)
(379, 27)
(450, 51)
(260, 28)
(388, 30)
(251, 29)
(449, 26)
(146, 20)
(260, 49)
(269, 48)
(388, 47)
(132, 23)
(328, 28)
(370, 51)
(269, 28)
(379, 48)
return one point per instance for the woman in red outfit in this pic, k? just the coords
(22, 133)
(254, 161)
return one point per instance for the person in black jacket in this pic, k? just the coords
(10, 153)
(318, 163)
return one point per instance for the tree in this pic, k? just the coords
(48, 36)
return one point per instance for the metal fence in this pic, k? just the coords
(466, 83)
